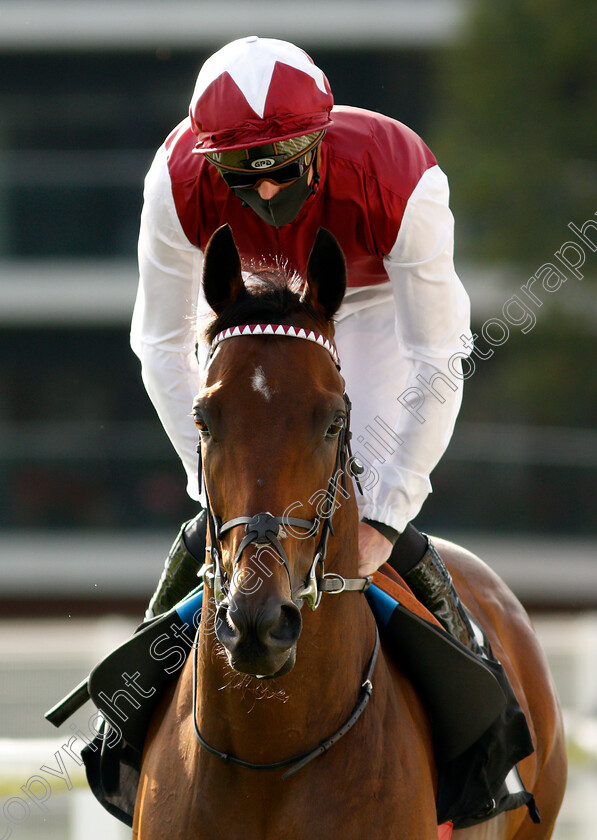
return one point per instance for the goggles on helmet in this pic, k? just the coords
(282, 161)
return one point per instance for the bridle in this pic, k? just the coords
(264, 529)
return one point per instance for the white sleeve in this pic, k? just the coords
(432, 312)
(163, 327)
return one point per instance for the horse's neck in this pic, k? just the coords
(312, 701)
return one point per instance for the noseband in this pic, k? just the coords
(265, 529)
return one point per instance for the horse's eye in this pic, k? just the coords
(336, 427)
(201, 424)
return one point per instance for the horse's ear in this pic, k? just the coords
(326, 274)
(222, 275)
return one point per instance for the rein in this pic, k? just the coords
(299, 761)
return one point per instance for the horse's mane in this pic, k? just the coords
(273, 296)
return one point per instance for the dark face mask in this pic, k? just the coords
(284, 207)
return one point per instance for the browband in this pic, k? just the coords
(279, 330)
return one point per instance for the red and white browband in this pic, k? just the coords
(277, 329)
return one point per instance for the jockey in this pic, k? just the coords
(265, 150)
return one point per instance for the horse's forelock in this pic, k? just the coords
(273, 295)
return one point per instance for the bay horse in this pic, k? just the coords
(268, 681)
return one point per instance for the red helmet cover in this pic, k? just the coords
(257, 91)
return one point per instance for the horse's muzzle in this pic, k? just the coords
(259, 636)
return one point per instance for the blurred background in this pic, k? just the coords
(91, 496)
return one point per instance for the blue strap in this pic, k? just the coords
(382, 604)
(188, 609)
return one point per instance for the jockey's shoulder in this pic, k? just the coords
(184, 164)
(380, 145)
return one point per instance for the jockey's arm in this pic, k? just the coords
(374, 549)
(432, 313)
(163, 326)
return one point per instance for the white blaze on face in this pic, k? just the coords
(259, 383)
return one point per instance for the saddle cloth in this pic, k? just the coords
(478, 742)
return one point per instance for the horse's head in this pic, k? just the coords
(272, 417)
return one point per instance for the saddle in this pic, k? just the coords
(477, 743)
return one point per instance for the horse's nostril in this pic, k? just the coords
(226, 632)
(274, 624)
(259, 635)
(286, 629)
